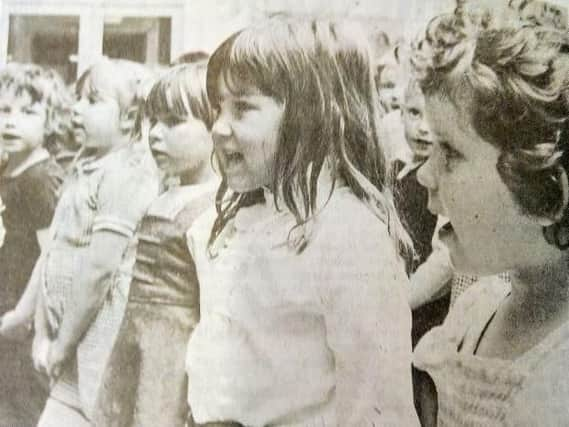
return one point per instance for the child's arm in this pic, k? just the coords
(122, 197)
(15, 323)
(88, 292)
(432, 279)
(41, 341)
(368, 323)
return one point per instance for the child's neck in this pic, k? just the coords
(541, 296)
(202, 175)
(104, 150)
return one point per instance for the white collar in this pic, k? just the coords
(409, 167)
(38, 155)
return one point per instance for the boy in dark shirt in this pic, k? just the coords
(29, 183)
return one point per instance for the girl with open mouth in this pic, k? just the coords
(497, 103)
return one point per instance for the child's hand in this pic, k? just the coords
(14, 326)
(56, 357)
(40, 350)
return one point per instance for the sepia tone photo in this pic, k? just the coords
(262, 213)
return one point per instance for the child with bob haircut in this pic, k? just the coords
(31, 113)
(145, 382)
(304, 315)
(83, 276)
(498, 104)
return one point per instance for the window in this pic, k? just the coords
(139, 39)
(50, 41)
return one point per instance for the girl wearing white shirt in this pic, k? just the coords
(303, 294)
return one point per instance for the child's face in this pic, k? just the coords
(417, 132)
(96, 114)
(179, 146)
(390, 87)
(245, 136)
(487, 233)
(22, 122)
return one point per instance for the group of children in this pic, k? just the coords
(241, 240)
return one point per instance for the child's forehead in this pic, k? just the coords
(102, 79)
(17, 96)
(391, 72)
(414, 96)
(229, 85)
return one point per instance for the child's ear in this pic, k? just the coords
(128, 119)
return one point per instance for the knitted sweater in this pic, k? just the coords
(477, 391)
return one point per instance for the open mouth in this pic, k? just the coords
(232, 159)
(446, 230)
(159, 155)
(77, 125)
(9, 137)
(422, 144)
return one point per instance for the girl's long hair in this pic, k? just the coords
(321, 72)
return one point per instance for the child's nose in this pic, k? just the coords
(220, 130)
(78, 107)
(424, 129)
(7, 121)
(155, 135)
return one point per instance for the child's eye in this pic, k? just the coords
(28, 110)
(387, 85)
(414, 112)
(172, 121)
(242, 107)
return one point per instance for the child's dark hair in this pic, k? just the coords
(512, 81)
(181, 92)
(320, 72)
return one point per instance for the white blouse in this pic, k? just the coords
(316, 338)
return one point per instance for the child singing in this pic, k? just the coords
(303, 296)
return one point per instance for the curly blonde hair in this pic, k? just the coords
(45, 86)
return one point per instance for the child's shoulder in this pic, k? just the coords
(346, 215)
(202, 225)
(544, 398)
(40, 183)
(38, 173)
(130, 169)
(183, 202)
